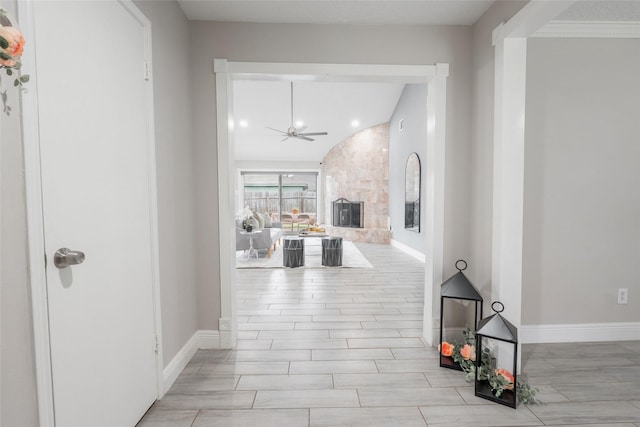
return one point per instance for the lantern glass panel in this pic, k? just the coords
(496, 370)
(458, 316)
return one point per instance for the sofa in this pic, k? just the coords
(265, 238)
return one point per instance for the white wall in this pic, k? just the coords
(18, 404)
(582, 199)
(174, 162)
(412, 109)
(325, 44)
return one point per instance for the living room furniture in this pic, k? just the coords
(293, 251)
(263, 238)
(251, 251)
(286, 220)
(332, 251)
(303, 221)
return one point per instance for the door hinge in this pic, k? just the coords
(45, 260)
(156, 345)
(147, 71)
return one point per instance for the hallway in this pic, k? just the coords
(320, 347)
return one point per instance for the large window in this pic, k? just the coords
(294, 194)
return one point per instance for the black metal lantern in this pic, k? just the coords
(459, 289)
(497, 359)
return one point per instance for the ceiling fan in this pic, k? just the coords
(294, 132)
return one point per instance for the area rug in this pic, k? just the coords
(351, 257)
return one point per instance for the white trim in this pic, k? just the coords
(434, 75)
(35, 215)
(581, 332)
(200, 340)
(533, 16)
(592, 29)
(209, 340)
(434, 195)
(508, 175)
(408, 250)
(330, 72)
(153, 185)
(173, 369)
(35, 227)
(227, 333)
(226, 202)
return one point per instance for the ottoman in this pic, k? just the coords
(332, 251)
(293, 251)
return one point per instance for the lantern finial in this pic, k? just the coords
(496, 310)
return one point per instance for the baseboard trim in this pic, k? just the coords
(200, 340)
(408, 250)
(208, 340)
(582, 332)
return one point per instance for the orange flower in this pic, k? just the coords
(446, 349)
(507, 376)
(14, 38)
(468, 352)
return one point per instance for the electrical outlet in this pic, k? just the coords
(623, 295)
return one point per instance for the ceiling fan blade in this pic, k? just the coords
(304, 137)
(277, 130)
(284, 139)
(313, 133)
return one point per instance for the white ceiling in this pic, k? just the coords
(321, 106)
(402, 12)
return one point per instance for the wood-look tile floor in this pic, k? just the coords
(342, 347)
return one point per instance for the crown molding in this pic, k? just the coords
(593, 29)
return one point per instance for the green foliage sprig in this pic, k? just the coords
(464, 355)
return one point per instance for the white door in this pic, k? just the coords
(97, 198)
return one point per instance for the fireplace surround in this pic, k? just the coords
(347, 213)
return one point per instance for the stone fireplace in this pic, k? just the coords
(357, 169)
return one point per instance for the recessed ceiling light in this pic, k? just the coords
(243, 123)
(355, 123)
(299, 123)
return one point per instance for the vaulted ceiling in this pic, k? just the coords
(338, 108)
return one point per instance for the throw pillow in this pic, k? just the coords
(259, 219)
(267, 220)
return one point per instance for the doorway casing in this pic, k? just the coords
(433, 75)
